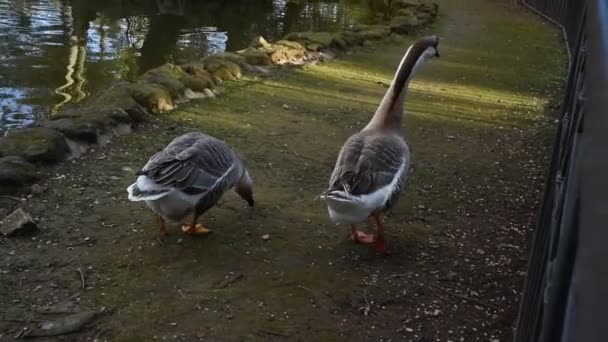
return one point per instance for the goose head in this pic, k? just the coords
(432, 47)
(245, 188)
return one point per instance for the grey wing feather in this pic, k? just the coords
(368, 162)
(194, 163)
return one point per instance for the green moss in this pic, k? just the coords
(324, 39)
(167, 76)
(290, 44)
(259, 42)
(404, 23)
(36, 144)
(286, 53)
(15, 172)
(255, 57)
(114, 102)
(222, 68)
(77, 128)
(153, 97)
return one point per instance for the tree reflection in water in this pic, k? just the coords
(56, 52)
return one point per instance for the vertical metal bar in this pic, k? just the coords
(592, 289)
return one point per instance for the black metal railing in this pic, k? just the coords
(566, 277)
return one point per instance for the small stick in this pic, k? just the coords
(467, 298)
(230, 280)
(17, 320)
(275, 333)
(82, 281)
(49, 271)
(160, 241)
(180, 293)
(11, 197)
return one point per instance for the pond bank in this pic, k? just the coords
(114, 111)
(479, 131)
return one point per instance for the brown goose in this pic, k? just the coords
(372, 166)
(188, 177)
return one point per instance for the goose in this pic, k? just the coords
(187, 178)
(371, 169)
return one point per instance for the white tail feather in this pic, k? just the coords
(146, 185)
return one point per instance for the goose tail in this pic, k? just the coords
(343, 207)
(144, 189)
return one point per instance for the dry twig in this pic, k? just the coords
(230, 280)
(82, 281)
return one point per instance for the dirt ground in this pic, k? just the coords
(478, 125)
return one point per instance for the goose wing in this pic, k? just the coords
(193, 163)
(368, 163)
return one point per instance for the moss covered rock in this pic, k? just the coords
(315, 41)
(77, 128)
(222, 68)
(167, 76)
(16, 172)
(286, 52)
(423, 11)
(405, 22)
(259, 42)
(255, 57)
(375, 33)
(115, 101)
(197, 77)
(153, 97)
(37, 144)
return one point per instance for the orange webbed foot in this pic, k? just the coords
(361, 237)
(199, 229)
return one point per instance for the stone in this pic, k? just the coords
(35, 144)
(290, 44)
(198, 84)
(16, 172)
(314, 47)
(153, 97)
(18, 222)
(352, 38)
(259, 42)
(404, 23)
(167, 76)
(375, 34)
(118, 96)
(197, 76)
(78, 128)
(222, 68)
(255, 57)
(223, 74)
(323, 39)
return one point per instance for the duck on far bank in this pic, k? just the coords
(188, 177)
(372, 166)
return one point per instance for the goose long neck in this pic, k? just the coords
(389, 114)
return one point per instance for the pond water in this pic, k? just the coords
(55, 52)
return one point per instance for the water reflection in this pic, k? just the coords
(55, 52)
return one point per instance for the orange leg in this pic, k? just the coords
(380, 242)
(195, 228)
(360, 237)
(162, 225)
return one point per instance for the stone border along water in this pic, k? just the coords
(115, 110)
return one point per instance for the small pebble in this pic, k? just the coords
(266, 237)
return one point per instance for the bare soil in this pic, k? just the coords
(478, 125)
